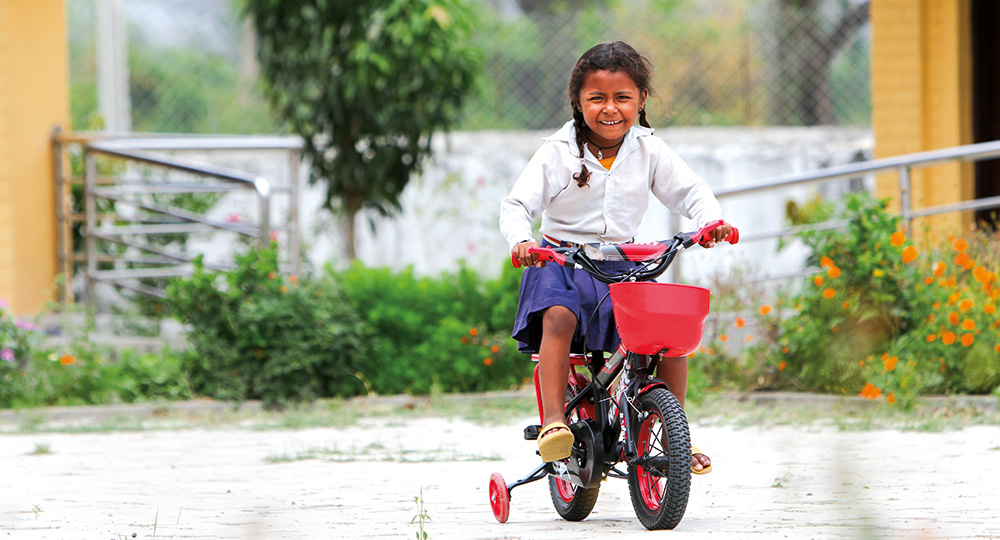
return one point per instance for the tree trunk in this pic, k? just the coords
(353, 206)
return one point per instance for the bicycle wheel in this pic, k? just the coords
(574, 503)
(659, 483)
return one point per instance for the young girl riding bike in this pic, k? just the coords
(590, 182)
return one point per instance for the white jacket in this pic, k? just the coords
(610, 207)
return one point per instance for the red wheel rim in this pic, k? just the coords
(651, 487)
(566, 490)
(499, 498)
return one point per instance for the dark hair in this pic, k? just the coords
(611, 57)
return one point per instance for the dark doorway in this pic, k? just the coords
(986, 97)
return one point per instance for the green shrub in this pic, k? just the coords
(258, 334)
(19, 345)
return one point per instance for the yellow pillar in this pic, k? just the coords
(34, 83)
(921, 91)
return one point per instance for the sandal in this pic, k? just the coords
(706, 470)
(555, 442)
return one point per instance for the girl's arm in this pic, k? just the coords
(683, 192)
(532, 192)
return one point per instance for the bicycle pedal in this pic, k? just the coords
(531, 433)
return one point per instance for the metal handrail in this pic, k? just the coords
(144, 150)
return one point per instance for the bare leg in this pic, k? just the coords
(674, 371)
(558, 327)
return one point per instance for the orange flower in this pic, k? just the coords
(937, 305)
(967, 339)
(784, 350)
(487, 361)
(953, 297)
(782, 365)
(953, 318)
(293, 278)
(938, 268)
(834, 271)
(818, 280)
(836, 328)
(962, 259)
(909, 254)
(740, 322)
(825, 262)
(888, 362)
(897, 239)
(981, 274)
(829, 293)
(473, 332)
(765, 309)
(67, 360)
(928, 281)
(284, 288)
(931, 337)
(870, 392)
(846, 305)
(890, 398)
(968, 324)
(960, 245)
(495, 349)
(965, 305)
(990, 309)
(465, 339)
(272, 275)
(724, 338)
(997, 348)
(948, 337)
(749, 338)
(930, 318)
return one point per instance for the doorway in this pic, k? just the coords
(986, 98)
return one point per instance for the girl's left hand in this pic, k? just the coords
(717, 235)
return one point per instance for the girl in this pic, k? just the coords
(590, 181)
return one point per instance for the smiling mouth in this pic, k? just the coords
(611, 123)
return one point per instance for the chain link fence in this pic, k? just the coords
(187, 66)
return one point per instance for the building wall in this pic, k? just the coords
(34, 99)
(921, 88)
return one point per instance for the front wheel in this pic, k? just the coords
(659, 479)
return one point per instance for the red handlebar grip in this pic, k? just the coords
(733, 236)
(514, 261)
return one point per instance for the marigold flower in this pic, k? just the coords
(740, 322)
(948, 337)
(465, 340)
(968, 324)
(953, 297)
(938, 268)
(931, 318)
(931, 337)
(890, 398)
(870, 391)
(749, 338)
(272, 275)
(962, 259)
(829, 293)
(878, 272)
(997, 348)
(909, 254)
(765, 309)
(834, 271)
(889, 362)
(897, 239)
(818, 280)
(67, 360)
(473, 332)
(825, 262)
(960, 245)
(782, 365)
(284, 288)
(487, 361)
(937, 305)
(724, 338)
(981, 274)
(990, 309)
(846, 305)
(928, 281)
(953, 318)
(967, 339)
(965, 305)
(784, 350)
(293, 278)
(836, 328)
(495, 349)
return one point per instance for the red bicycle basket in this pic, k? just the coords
(653, 316)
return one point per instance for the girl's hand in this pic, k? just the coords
(527, 259)
(717, 235)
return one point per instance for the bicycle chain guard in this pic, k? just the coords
(585, 467)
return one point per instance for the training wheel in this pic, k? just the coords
(499, 498)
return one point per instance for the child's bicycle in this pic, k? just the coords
(621, 413)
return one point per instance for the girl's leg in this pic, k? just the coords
(558, 327)
(674, 372)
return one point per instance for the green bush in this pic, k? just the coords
(450, 333)
(258, 334)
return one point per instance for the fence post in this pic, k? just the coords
(90, 205)
(264, 196)
(905, 203)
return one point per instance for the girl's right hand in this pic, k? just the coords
(527, 259)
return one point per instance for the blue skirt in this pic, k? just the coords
(575, 289)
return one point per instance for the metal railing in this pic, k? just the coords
(140, 207)
(902, 165)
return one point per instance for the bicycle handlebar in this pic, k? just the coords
(660, 250)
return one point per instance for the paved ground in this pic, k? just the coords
(362, 482)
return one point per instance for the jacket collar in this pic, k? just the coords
(567, 133)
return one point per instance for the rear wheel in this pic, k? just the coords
(574, 503)
(660, 480)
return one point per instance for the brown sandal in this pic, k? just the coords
(555, 442)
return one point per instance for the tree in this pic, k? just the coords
(365, 83)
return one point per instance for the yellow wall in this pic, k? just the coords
(34, 99)
(921, 91)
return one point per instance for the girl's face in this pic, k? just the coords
(610, 102)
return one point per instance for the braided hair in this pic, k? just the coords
(611, 57)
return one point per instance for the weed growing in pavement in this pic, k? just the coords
(36, 509)
(40, 449)
(422, 516)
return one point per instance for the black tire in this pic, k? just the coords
(572, 503)
(660, 491)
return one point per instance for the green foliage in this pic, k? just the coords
(258, 334)
(365, 84)
(448, 333)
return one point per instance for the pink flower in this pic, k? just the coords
(7, 355)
